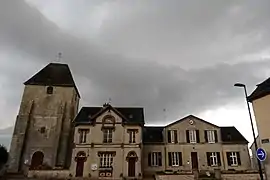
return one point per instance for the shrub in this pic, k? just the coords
(3, 156)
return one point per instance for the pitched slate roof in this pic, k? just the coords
(232, 135)
(263, 89)
(54, 74)
(229, 135)
(132, 115)
(153, 135)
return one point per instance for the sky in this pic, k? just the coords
(174, 58)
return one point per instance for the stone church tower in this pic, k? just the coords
(43, 131)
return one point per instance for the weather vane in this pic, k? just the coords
(59, 57)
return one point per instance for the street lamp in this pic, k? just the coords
(255, 142)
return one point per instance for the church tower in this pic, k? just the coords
(43, 130)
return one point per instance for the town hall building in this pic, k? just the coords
(51, 135)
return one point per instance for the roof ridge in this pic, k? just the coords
(124, 107)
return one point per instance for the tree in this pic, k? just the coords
(3, 156)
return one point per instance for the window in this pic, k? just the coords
(211, 136)
(172, 136)
(106, 160)
(193, 136)
(42, 130)
(213, 158)
(107, 135)
(233, 158)
(154, 159)
(132, 135)
(229, 137)
(175, 159)
(82, 135)
(264, 141)
(49, 90)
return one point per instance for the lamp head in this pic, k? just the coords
(239, 85)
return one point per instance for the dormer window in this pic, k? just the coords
(50, 90)
(229, 137)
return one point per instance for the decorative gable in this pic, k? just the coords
(192, 121)
(108, 117)
(125, 115)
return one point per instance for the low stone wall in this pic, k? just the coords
(243, 176)
(175, 177)
(221, 175)
(46, 174)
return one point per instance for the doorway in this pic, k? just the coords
(132, 158)
(37, 160)
(131, 167)
(80, 159)
(194, 160)
(80, 167)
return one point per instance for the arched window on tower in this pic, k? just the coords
(50, 90)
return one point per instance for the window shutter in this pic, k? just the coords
(205, 136)
(180, 159)
(169, 136)
(149, 159)
(228, 158)
(218, 159)
(175, 136)
(216, 136)
(238, 158)
(208, 158)
(130, 136)
(187, 136)
(170, 158)
(159, 159)
(198, 136)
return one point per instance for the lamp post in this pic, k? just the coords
(255, 142)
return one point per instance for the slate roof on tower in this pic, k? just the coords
(54, 74)
(263, 89)
(131, 115)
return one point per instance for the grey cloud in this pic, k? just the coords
(189, 30)
(128, 81)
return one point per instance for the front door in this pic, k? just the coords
(131, 167)
(194, 160)
(80, 166)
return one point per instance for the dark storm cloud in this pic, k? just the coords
(129, 82)
(214, 31)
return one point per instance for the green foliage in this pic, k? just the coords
(3, 155)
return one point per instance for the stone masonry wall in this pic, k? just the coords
(54, 112)
(19, 134)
